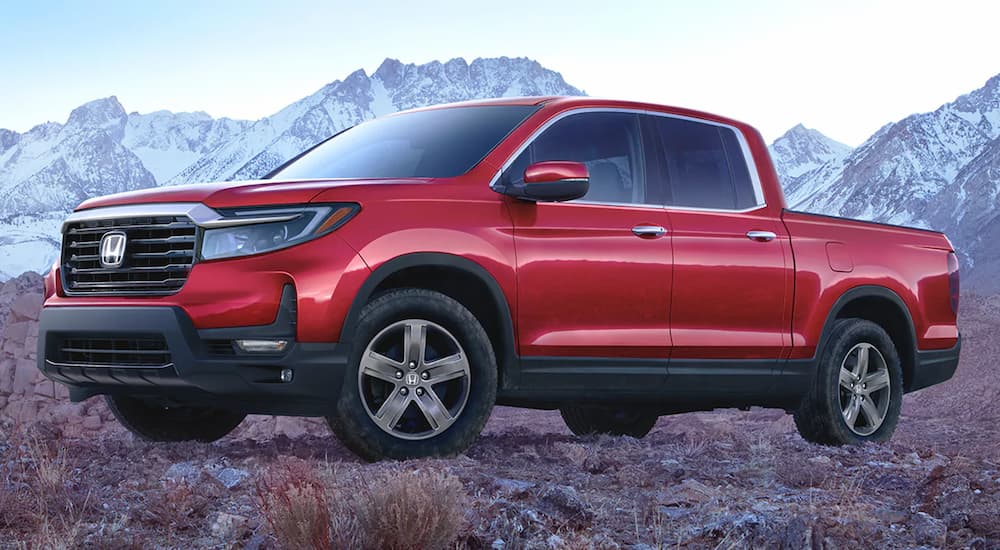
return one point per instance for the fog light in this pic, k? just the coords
(262, 346)
(286, 375)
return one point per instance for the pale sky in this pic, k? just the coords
(844, 67)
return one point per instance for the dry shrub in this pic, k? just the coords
(293, 501)
(38, 495)
(179, 506)
(400, 510)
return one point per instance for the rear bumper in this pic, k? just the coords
(935, 366)
(198, 371)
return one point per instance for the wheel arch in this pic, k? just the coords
(477, 290)
(885, 308)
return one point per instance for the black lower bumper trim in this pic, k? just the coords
(935, 366)
(239, 381)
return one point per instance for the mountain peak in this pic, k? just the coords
(105, 112)
(801, 150)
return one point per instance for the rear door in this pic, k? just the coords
(593, 275)
(731, 287)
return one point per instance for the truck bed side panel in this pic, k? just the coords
(834, 255)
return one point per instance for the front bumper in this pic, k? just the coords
(197, 371)
(935, 366)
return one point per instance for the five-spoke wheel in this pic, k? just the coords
(858, 388)
(423, 378)
(414, 379)
(865, 390)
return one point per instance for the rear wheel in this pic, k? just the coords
(422, 382)
(630, 421)
(858, 390)
(155, 422)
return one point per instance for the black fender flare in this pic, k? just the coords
(506, 358)
(907, 354)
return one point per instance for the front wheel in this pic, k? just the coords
(155, 422)
(630, 421)
(858, 390)
(422, 378)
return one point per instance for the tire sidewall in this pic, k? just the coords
(848, 335)
(357, 428)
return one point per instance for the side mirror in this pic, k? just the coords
(552, 181)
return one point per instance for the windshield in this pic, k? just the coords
(439, 143)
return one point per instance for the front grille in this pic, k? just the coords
(159, 252)
(132, 351)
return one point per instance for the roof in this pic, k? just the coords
(568, 102)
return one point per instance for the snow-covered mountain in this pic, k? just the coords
(939, 170)
(801, 155)
(393, 87)
(101, 149)
(167, 142)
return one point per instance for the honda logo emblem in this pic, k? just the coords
(112, 249)
(412, 379)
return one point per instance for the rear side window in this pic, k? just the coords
(609, 144)
(703, 165)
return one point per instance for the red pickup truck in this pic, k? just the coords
(616, 261)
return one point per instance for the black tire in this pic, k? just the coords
(154, 422)
(630, 421)
(354, 426)
(820, 417)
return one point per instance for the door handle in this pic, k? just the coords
(649, 231)
(761, 236)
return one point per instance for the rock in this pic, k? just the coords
(801, 533)
(985, 523)
(6, 375)
(927, 529)
(13, 348)
(229, 527)
(892, 516)
(564, 500)
(27, 306)
(231, 477)
(688, 492)
(22, 411)
(24, 376)
(188, 472)
(746, 524)
(67, 412)
(290, 426)
(820, 460)
(92, 422)
(512, 485)
(17, 332)
(46, 388)
(673, 512)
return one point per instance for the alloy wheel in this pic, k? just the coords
(414, 379)
(865, 389)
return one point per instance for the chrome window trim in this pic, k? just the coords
(758, 189)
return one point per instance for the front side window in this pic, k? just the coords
(437, 143)
(609, 144)
(703, 165)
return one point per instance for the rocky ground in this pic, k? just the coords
(727, 479)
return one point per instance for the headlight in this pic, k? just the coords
(249, 231)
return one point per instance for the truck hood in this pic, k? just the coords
(235, 194)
